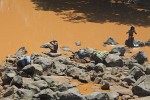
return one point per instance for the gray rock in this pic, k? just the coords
(84, 77)
(138, 43)
(120, 50)
(111, 41)
(97, 96)
(25, 94)
(17, 81)
(41, 84)
(99, 56)
(45, 62)
(46, 94)
(136, 72)
(142, 98)
(7, 76)
(130, 80)
(142, 86)
(71, 94)
(140, 57)
(29, 70)
(147, 43)
(52, 54)
(147, 71)
(113, 60)
(100, 67)
(90, 67)
(38, 69)
(20, 52)
(78, 43)
(105, 85)
(113, 95)
(97, 80)
(32, 87)
(74, 72)
(10, 91)
(58, 68)
(126, 97)
(121, 90)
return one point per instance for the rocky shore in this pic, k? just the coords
(50, 77)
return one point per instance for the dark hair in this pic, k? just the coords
(132, 28)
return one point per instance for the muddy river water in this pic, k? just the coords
(22, 25)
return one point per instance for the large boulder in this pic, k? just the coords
(21, 51)
(142, 86)
(97, 96)
(120, 50)
(84, 77)
(100, 67)
(147, 43)
(111, 41)
(140, 57)
(113, 60)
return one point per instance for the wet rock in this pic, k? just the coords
(97, 96)
(84, 77)
(78, 43)
(17, 81)
(142, 86)
(113, 95)
(140, 57)
(113, 60)
(71, 94)
(45, 62)
(121, 90)
(29, 70)
(110, 41)
(7, 76)
(147, 43)
(120, 50)
(52, 54)
(138, 43)
(105, 85)
(99, 67)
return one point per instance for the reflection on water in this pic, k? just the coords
(22, 25)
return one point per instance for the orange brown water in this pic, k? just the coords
(22, 25)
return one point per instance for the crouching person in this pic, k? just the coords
(23, 61)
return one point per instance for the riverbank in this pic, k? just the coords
(22, 25)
